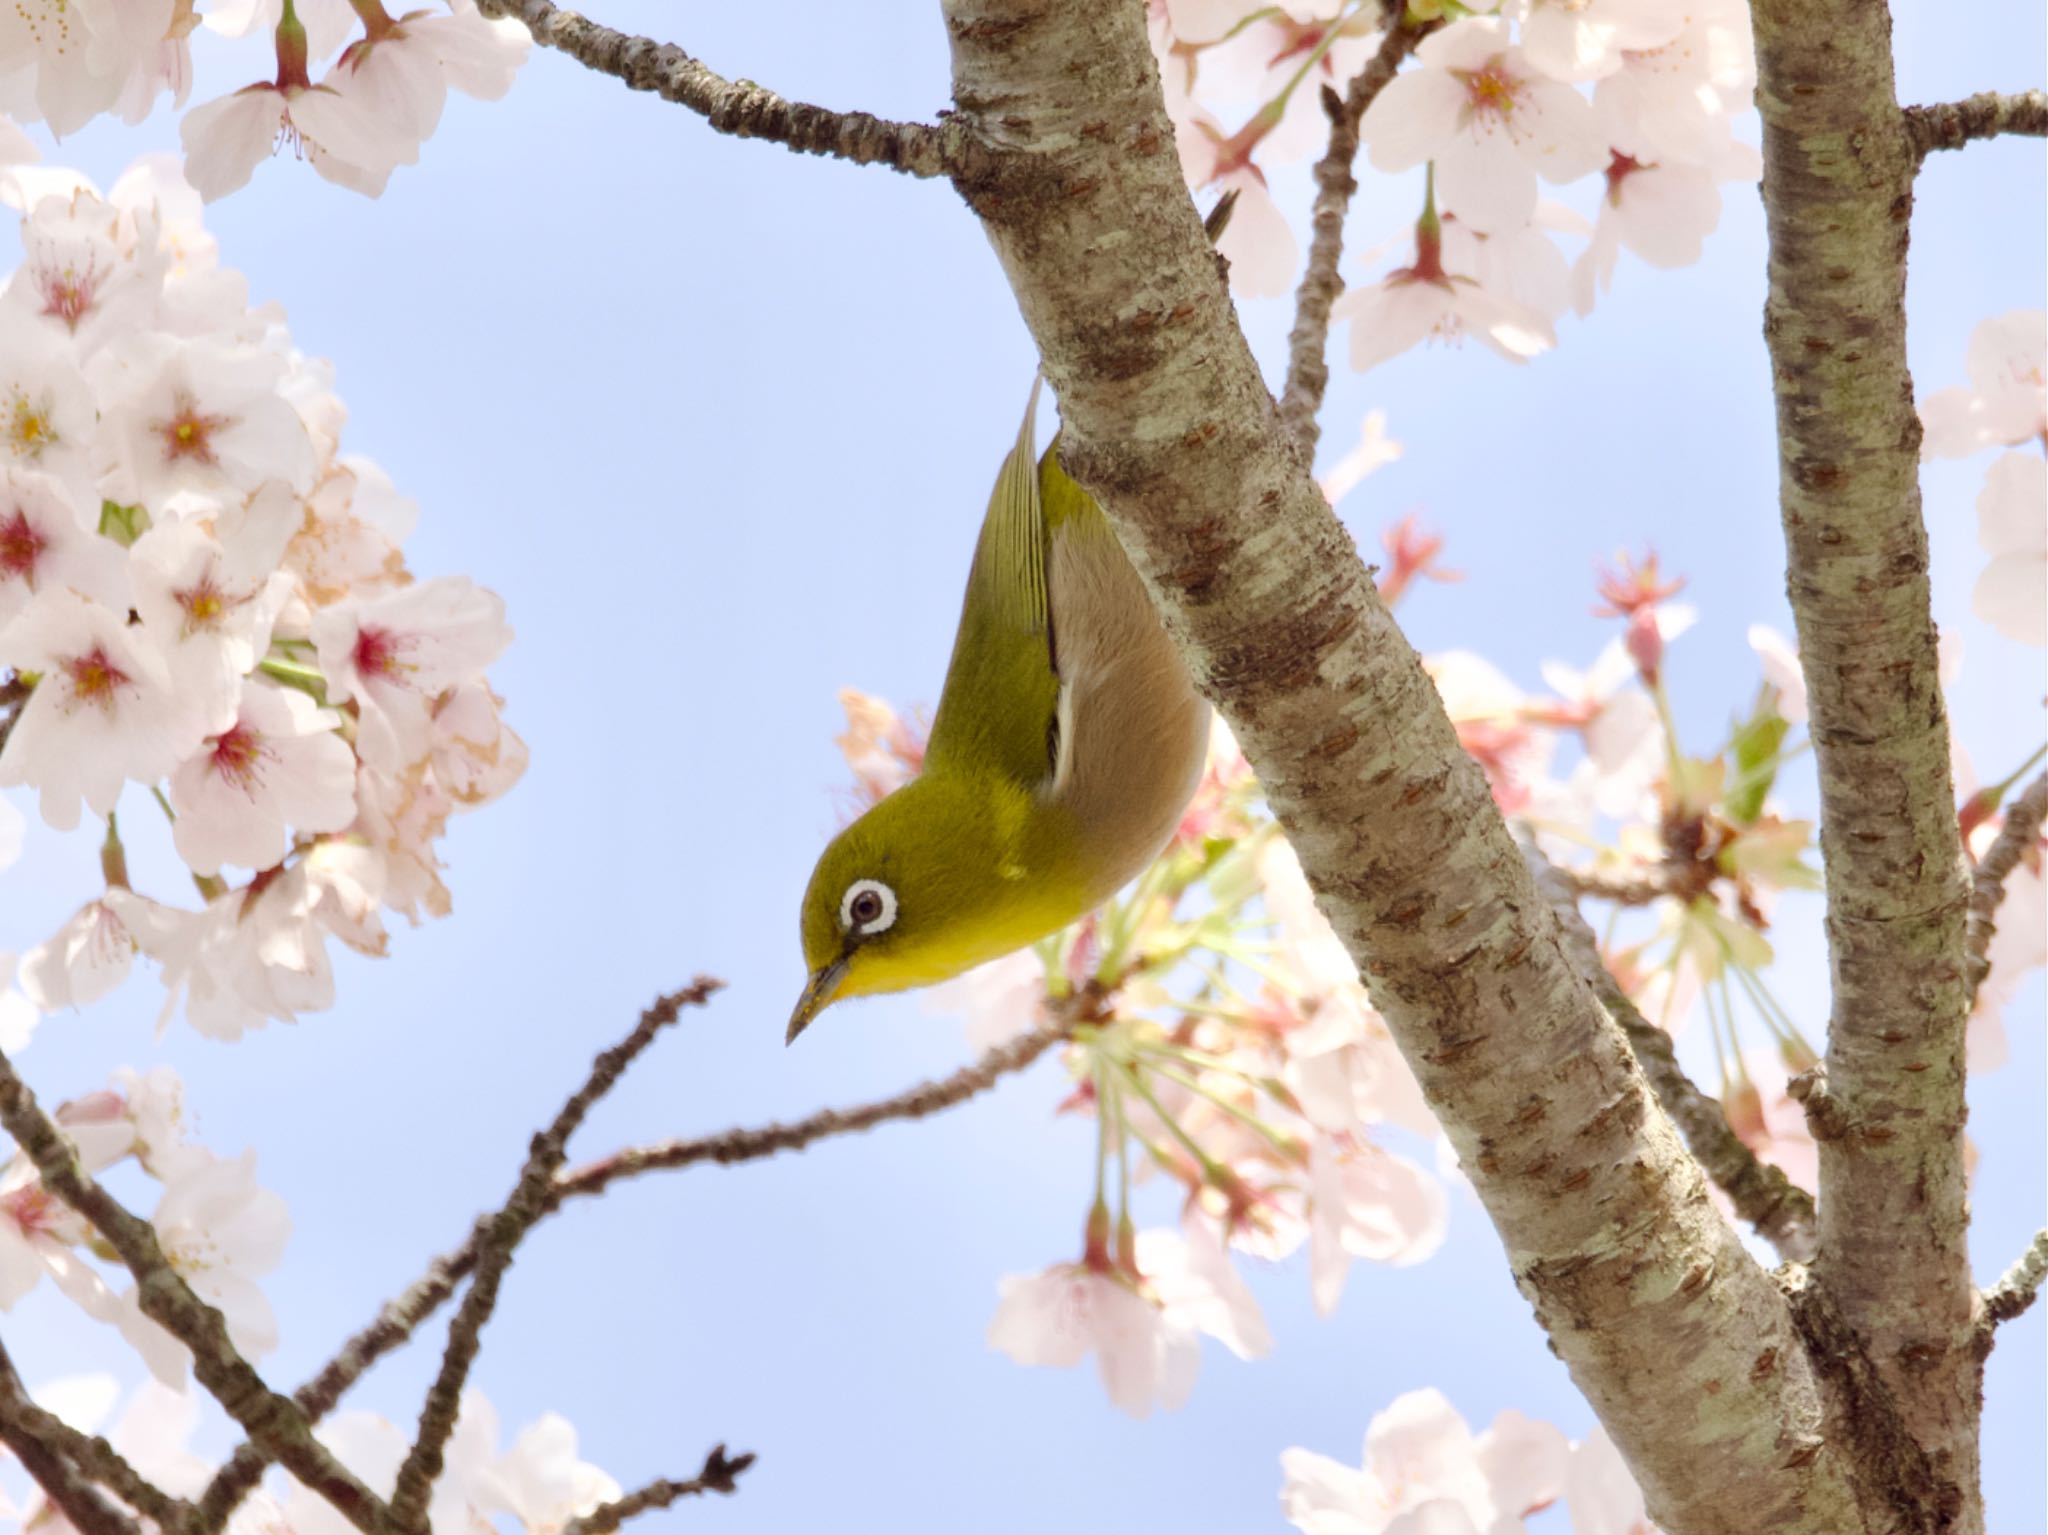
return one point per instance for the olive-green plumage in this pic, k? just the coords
(1067, 743)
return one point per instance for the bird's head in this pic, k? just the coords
(929, 883)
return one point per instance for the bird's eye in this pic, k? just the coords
(869, 906)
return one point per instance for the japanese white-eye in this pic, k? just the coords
(1068, 740)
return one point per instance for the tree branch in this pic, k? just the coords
(2021, 830)
(1781, 1211)
(737, 107)
(1838, 195)
(400, 1317)
(45, 1444)
(1985, 115)
(268, 1419)
(1308, 369)
(2020, 1286)
(501, 1235)
(720, 1475)
(90, 1454)
(1647, 1293)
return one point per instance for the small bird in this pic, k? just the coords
(1069, 739)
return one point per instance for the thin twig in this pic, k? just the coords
(1985, 115)
(96, 1459)
(42, 1442)
(1620, 889)
(720, 1474)
(737, 107)
(271, 1420)
(1781, 1211)
(2020, 1286)
(400, 1317)
(504, 1233)
(2022, 829)
(1308, 368)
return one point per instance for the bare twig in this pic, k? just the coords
(91, 1455)
(397, 1321)
(503, 1234)
(2020, 1286)
(1985, 115)
(737, 107)
(269, 1419)
(43, 1442)
(1640, 890)
(720, 1474)
(1781, 1211)
(2021, 830)
(1308, 368)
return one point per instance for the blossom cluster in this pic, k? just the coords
(1636, 98)
(65, 62)
(217, 1228)
(202, 595)
(539, 1483)
(1424, 1472)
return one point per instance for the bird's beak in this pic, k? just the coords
(823, 987)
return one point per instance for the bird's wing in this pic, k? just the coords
(999, 709)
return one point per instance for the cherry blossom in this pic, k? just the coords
(2012, 528)
(1189, 1272)
(277, 765)
(1426, 299)
(1424, 1470)
(65, 61)
(1675, 103)
(46, 412)
(2006, 403)
(1662, 213)
(1577, 40)
(75, 275)
(1780, 663)
(1488, 120)
(44, 547)
(1365, 1202)
(1374, 450)
(400, 72)
(87, 958)
(393, 654)
(219, 1231)
(105, 710)
(1071, 1310)
(196, 415)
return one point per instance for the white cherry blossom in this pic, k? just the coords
(1661, 213)
(87, 958)
(1675, 103)
(1579, 40)
(2012, 527)
(1600, 1493)
(1069, 1311)
(47, 418)
(195, 415)
(1488, 120)
(1425, 300)
(104, 712)
(45, 546)
(2006, 402)
(277, 765)
(394, 654)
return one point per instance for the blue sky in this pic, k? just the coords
(719, 422)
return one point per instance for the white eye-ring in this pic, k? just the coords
(868, 907)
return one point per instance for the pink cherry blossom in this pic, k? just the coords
(65, 61)
(1423, 1471)
(47, 419)
(44, 546)
(1661, 213)
(2012, 528)
(1374, 450)
(1578, 40)
(1675, 103)
(209, 613)
(1426, 300)
(1069, 1311)
(105, 710)
(277, 765)
(1488, 120)
(394, 654)
(401, 71)
(75, 275)
(196, 415)
(1365, 1202)
(1190, 1273)
(227, 138)
(87, 958)
(2006, 403)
